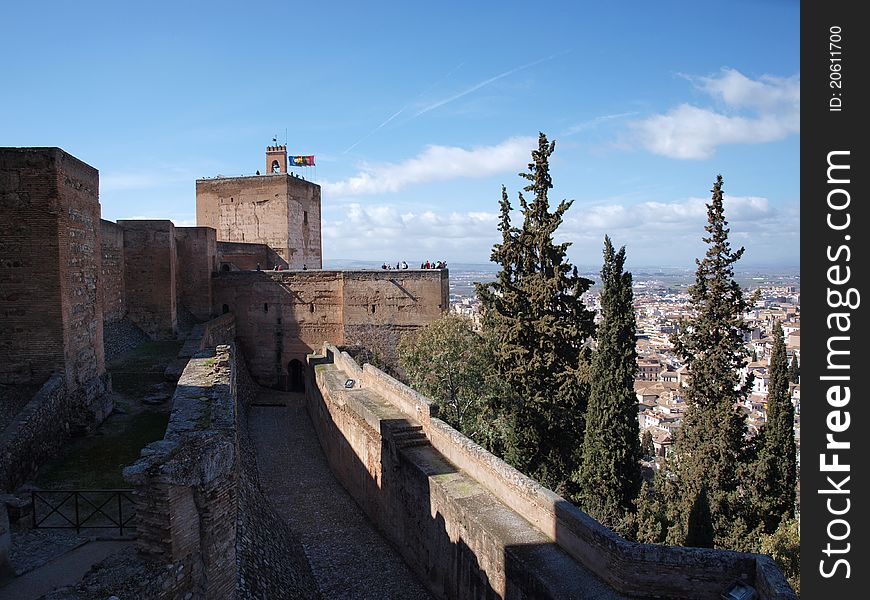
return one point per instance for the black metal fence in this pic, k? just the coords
(83, 509)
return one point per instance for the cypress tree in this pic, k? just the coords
(609, 475)
(647, 445)
(794, 370)
(535, 317)
(777, 462)
(710, 442)
(699, 530)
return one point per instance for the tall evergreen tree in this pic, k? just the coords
(794, 370)
(536, 319)
(710, 442)
(699, 529)
(776, 471)
(609, 476)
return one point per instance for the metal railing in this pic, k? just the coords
(83, 509)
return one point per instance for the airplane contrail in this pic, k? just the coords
(486, 82)
(401, 110)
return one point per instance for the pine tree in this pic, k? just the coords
(609, 476)
(794, 370)
(776, 473)
(535, 316)
(709, 445)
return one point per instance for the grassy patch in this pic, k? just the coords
(96, 461)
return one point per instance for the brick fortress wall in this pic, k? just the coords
(112, 271)
(283, 316)
(235, 256)
(196, 251)
(150, 276)
(50, 305)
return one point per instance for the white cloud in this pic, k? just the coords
(435, 163)
(755, 111)
(378, 232)
(654, 232)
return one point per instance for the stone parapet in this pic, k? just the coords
(372, 434)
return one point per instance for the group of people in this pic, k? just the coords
(426, 265)
(434, 265)
(399, 265)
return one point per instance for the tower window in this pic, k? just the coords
(276, 168)
(226, 308)
(305, 217)
(265, 307)
(311, 307)
(373, 309)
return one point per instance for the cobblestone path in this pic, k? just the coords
(348, 556)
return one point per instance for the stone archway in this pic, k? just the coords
(295, 376)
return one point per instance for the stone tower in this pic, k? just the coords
(276, 209)
(276, 159)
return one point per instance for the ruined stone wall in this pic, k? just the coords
(196, 251)
(471, 525)
(199, 509)
(36, 433)
(112, 271)
(246, 256)
(278, 210)
(150, 276)
(283, 316)
(186, 485)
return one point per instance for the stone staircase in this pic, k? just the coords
(409, 436)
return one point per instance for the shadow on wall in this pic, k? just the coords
(448, 568)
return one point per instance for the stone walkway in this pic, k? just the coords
(348, 557)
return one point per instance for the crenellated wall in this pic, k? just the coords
(471, 525)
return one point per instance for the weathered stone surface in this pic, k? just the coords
(50, 308)
(196, 251)
(278, 210)
(150, 265)
(199, 509)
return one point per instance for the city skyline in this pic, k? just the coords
(417, 116)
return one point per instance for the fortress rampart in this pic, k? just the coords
(466, 521)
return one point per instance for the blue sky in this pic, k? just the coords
(418, 112)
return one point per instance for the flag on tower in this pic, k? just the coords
(302, 161)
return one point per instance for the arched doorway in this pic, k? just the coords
(296, 376)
